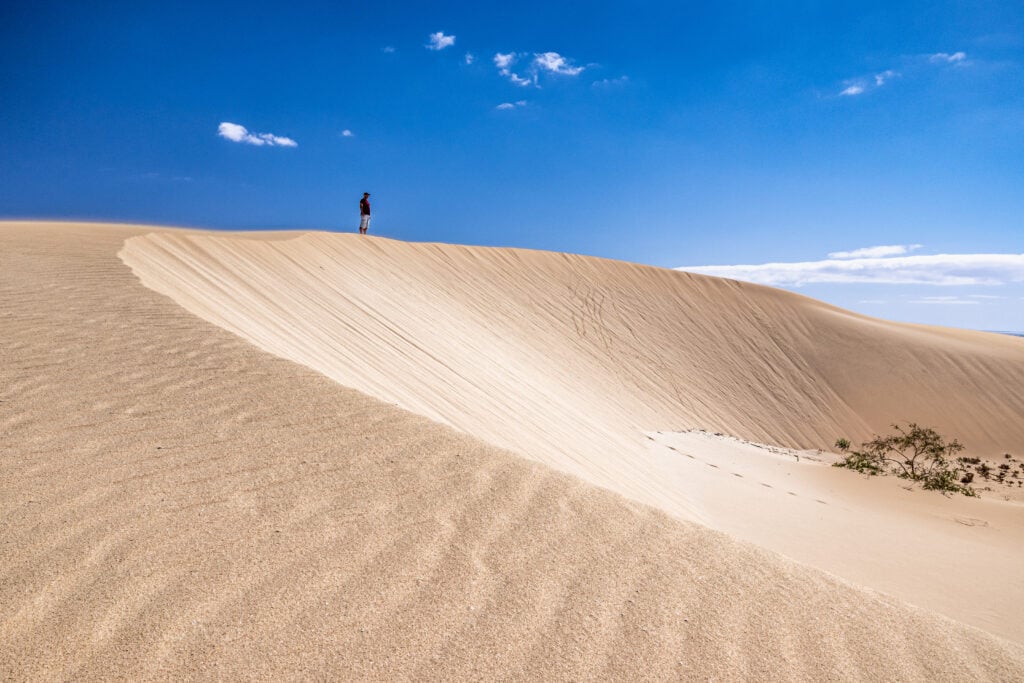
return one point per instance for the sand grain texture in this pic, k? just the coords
(177, 503)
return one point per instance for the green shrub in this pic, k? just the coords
(915, 453)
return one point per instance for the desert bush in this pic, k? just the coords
(916, 453)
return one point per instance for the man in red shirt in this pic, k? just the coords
(364, 213)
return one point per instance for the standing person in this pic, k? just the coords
(364, 213)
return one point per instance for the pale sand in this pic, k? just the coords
(569, 360)
(176, 503)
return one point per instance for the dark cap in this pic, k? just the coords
(366, 194)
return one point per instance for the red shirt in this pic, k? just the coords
(364, 207)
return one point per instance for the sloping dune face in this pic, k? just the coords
(567, 359)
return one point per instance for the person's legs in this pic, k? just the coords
(364, 224)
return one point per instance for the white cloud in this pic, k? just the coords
(542, 62)
(881, 78)
(944, 300)
(439, 41)
(504, 63)
(469, 58)
(556, 64)
(611, 82)
(876, 252)
(511, 105)
(872, 301)
(911, 64)
(237, 133)
(387, 49)
(936, 269)
(985, 296)
(859, 86)
(347, 133)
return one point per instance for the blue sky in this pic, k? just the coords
(670, 133)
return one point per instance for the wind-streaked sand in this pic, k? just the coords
(571, 360)
(176, 502)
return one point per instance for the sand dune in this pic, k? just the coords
(176, 502)
(474, 336)
(571, 360)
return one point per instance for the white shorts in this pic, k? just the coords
(364, 222)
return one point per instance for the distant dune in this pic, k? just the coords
(179, 499)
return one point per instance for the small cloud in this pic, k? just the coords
(912, 65)
(881, 78)
(946, 58)
(470, 58)
(611, 82)
(542, 62)
(985, 296)
(859, 86)
(504, 63)
(944, 300)
(388, 49)
(347, 133)
(237, 133)
(876, 252)
(511, 105)
(872, 301)
(439, 41)
(556, 64)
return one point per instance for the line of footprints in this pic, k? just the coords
(735, 474)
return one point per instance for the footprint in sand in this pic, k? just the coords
(970, 521)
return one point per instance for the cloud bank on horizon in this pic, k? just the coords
(885, 264)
